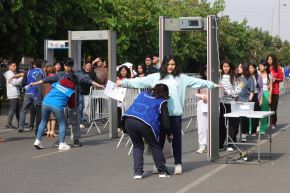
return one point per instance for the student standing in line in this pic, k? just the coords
(201, 111)
(144, 119)
(247, 85)
(170, 74)
(230, 91)
(277, 76)
(265, 101)
(257, 95)
(13, 92)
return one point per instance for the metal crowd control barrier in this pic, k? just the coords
(189, 109)
(98, 108)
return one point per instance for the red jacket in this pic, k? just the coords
(279, 77)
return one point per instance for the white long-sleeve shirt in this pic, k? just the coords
(13, 87)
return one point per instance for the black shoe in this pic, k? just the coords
(164, 174)
(77, 143)
(20, 130)
(10, 127)
(56, 144)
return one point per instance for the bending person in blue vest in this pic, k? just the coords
(61, 95)
(144, 119)
(170, 74)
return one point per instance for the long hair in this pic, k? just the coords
(160, 91)
(202, 70)
(163, 69)
(128, 72)
(274, 61)
(231, 71)
(245, 67)
(255, 73)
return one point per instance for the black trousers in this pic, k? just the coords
(233, 125)
(255, 122)
(274, 106)
(138, 130)
(175, 122)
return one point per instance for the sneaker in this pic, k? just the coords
(244, 138)
(273, 126)
(178, 169)
(230, 149)
(202, 149)
(28, 129)
(164, 174)
(20, 130)
(10, 127)
(154, 170)
(37, 144)
(63, 147)
(263, 133)
(77, 143)
(138, 177)
(82, 126)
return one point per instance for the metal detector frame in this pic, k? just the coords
(49, 51)
(169, 25)
(75, 39)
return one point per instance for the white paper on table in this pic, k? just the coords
(115, 92)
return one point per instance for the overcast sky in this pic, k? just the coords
(261, 13)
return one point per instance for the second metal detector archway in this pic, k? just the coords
(166, 27)
(75, 39)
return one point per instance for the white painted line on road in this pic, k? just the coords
(201, 179)
(50, 153)
(216, 170)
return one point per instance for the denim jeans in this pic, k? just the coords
(59, 115)
(81, 107)
(27, 103)
(13, 110)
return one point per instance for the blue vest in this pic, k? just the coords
(34, 75)
(147, 109)
(286, 72)
(58, 96)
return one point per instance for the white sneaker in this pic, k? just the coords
(154, 170)
(37, 144)
(63, 147)
(230, 149)
(273, 127)
(178, 169)
(137, 177)
(244, 138)
(82, 126)
(202, 149)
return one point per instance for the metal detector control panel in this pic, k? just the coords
(191, 23)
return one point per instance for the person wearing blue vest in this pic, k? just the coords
(61, 94)
(73, 112)
(33, 94)
(170, 74)
(143, 119)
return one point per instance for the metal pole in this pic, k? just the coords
(112, 61)
(279, 7)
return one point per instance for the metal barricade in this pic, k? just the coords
(98, 108)
(189, 109)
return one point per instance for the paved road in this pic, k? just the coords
(99, 167)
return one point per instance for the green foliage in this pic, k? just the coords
(24, 24)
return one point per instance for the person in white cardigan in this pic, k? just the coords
(13, 92)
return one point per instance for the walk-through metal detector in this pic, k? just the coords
(75, 39)
(50, 46)
(166, 27)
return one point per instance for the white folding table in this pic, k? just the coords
(250, 114)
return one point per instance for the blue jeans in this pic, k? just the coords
(81, 107)
(60, 118)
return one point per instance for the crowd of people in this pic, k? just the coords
(155, 114)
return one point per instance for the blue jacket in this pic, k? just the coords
(147, 109)
(34, 75)
(58, 96)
